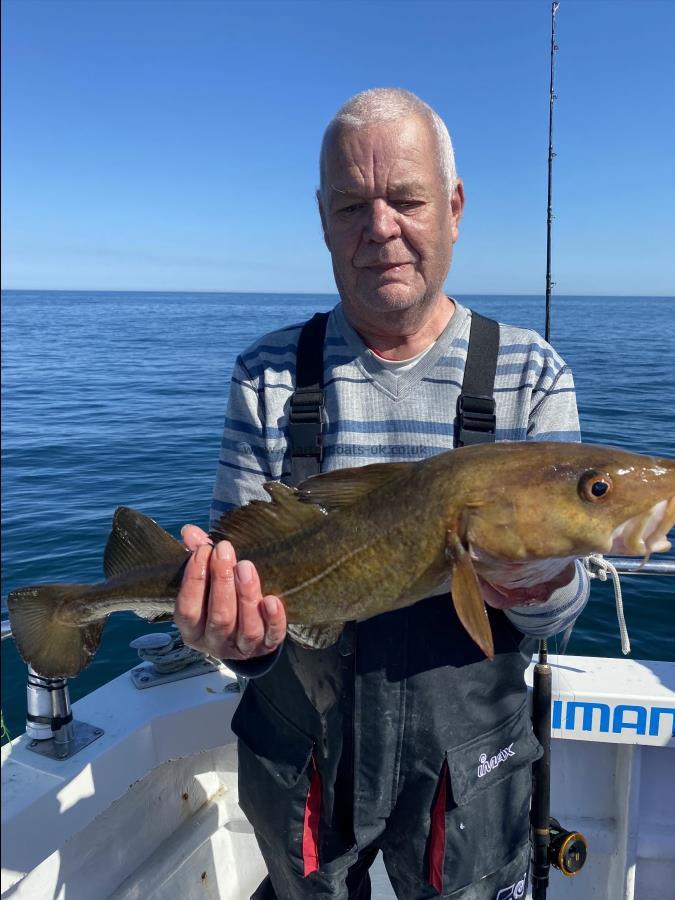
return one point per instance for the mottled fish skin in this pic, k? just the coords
(363, 559)
(352, 544)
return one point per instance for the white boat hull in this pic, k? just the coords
(150, 810)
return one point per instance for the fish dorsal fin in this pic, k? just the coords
(343, 487)
(137, 542)
(260, 522)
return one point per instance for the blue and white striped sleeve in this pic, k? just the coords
(541, 620)
(553, 411)
(244, 463)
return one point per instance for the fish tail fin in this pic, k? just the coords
(46, 636)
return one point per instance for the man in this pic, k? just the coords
(401, 737)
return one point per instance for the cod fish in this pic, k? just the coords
(354, 543)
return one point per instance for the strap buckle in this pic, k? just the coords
(477, 420)
(305, 423)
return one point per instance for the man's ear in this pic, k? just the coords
(457, 208)
(322, 213)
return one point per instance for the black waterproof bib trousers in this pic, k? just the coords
(402, 737)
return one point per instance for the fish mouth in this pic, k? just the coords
(645, 533)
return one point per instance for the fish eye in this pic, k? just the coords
(593, 486)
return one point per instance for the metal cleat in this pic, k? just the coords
(166, 658)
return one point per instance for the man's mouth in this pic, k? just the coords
(387, 267)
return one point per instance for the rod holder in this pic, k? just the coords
(50, 728)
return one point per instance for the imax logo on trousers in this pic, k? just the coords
(515, 891)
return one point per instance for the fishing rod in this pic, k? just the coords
(551, 843)
(551, 156)
(540, 810)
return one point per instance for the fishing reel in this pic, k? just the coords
(567, 850)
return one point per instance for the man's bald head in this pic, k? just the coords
(387, 104)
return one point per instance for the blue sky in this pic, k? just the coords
(172, 144)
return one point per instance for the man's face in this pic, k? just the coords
(388, 220)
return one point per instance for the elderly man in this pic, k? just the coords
(401, 737)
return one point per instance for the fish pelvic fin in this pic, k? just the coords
(136, 542)
(467, 596)
(333, 490)
(316, 637)
(46, 640)
(261, 522)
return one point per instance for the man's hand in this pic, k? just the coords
(516, 584)
(220, 608)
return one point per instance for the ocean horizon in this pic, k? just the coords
(334, 294)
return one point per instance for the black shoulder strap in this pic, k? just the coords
(476, 421)
(305, 419)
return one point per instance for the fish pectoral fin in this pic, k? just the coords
(136, 541)
(333, 490)
(316, 637)
(260, 522)
(467, 595)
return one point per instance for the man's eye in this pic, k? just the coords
(353, 207)
(409, 204)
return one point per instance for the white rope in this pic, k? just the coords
(599, 567)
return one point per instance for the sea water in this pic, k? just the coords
(117, 398)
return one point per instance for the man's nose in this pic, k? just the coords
(382, 224)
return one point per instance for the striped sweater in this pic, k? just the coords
(376, 414)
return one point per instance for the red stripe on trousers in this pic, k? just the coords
(437, 835)
(310, 831)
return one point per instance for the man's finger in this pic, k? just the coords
(275, 622)
(191, 602)
(221, 618)
(250, 623)
(194, 537)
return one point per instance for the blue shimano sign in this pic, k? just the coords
(603, 718)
